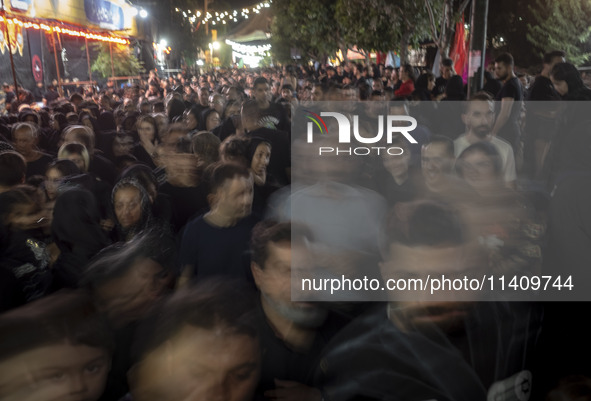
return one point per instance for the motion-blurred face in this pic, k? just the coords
(560, 86)
(502, 71)
(262, 93)
(24, 141)
(234, 197)
(199, 364)
(397, 166)
(24, 216)
(128, 206)
(204, 96)
(479, 118)
(122, 145)
(274, 281)
(129, 297)
(146, 131)
(478, 170)
(259, 163)
(78, 160)
(446, 72)
(422, 314)
(436, 163)
(52, 180)
(56, 372)
(191, 121)
(213, 120)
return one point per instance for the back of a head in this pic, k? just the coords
(65, 317)
(13, 168)
(82, 134)
(218, 305)
(250, 110)
(568, 72)
(206, 146)
(550, 56)
(505, 58)
(444, 141)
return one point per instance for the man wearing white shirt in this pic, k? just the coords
(479, 116)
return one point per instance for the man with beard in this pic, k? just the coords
(511, 97)
(293, 334)
(478, 116)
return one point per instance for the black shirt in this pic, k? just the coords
(511, 89)
(274, 117)
(542, 89)
(214, 251)
(39, 166)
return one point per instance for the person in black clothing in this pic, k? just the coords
(77, 232)
(279, 169)
(271, 115)
(446, 70)
(132, 209)
(507, 124)
(540, 123)
(25, 137)
(293, 334)
(145, 150)
(216, 242)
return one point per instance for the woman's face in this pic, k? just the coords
(146, 132)
(128, 206)
(78, 160)
(560, 86)
(478, 170)
(431, 84)
(213, 120)
(52, 179)
(259, 163)
(190, 121)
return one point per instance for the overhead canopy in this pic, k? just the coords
(256, 28)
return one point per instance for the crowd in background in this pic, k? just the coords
(144, 253)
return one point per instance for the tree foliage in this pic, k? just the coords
(561, 25)
(124, 61)
(307, 25)
(443, 15)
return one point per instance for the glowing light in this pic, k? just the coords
(163, 42)
(133, 11)
(143, 13)
(216, 45)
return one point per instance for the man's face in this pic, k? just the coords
(446, 72)
(287, 94)
(24, 142)
(274, 282)
(128, 298)
(436, 163)
(261, 93)
(479, 118)
(234, 197)
(502, 71)
(204, 96)
(423, 314)
(199, 364)
(55, 372)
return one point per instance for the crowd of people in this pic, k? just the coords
(149, 233)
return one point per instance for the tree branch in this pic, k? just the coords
(432, 21)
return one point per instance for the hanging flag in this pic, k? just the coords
(458, 53)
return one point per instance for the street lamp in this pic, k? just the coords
(143, 13)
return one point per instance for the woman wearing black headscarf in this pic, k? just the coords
(258, 155)
(77, 232)
(132, 209)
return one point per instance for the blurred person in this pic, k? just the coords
(132, 209)
(199, 345)
(126, 281)
(55, 173)
(258, 155)
(100, 167)
(75, 152)
(568, 82)
(271, 115)
(424, 87)
(146, 150)
(77, 232)
(13, 169)
(210, 119)
(293, 334)
(22, 249)
(234, 150)
(174, 108)
(407, 78)
(25, 137)
(478, 117)
(55, 348)
(192, 120)
(446, 71)
(206, 146)
(217, 102)
(507, 123)
(216, 242)
(280, 163)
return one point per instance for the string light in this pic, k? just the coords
(65, 31)
(224, 17)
